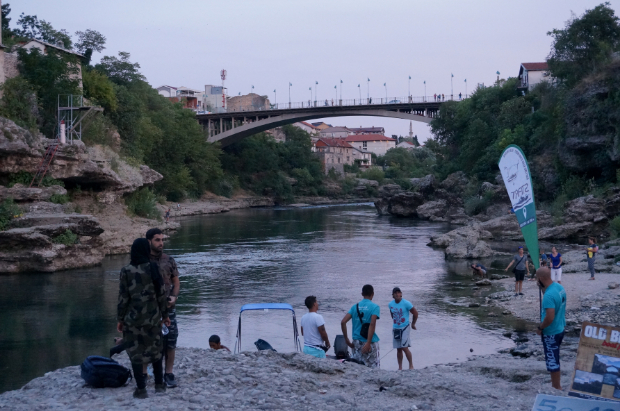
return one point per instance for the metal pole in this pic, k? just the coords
(451, 87)
(425, 90)
(409, 87)
(465, 88)
(368, 90)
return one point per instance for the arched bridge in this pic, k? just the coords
(230, 127)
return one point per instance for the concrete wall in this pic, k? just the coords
(535, 77)
(248, 102)
(377, 147)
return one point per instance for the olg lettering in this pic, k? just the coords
(615, 336)
(595, 332)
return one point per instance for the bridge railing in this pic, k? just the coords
(331, 102)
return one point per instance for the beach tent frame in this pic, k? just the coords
(267, 307)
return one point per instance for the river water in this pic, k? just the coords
(257, 256)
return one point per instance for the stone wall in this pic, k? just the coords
(10, 65)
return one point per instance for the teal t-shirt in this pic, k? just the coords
(555, 297)
(400, 313)
(368, 309)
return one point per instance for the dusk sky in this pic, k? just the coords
(269, 43)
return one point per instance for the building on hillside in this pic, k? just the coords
(214, 98)
(321, 126)
(307, 127)
(277, 134)
(335, 132)
(368, 130)
(362, 158)
(531, 74)
(373, 143)
(247, 102)
(334, 153)
(191, 98)
(406, 145)
(10, 60)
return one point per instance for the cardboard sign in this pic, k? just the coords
(597, 368)
(553, 403)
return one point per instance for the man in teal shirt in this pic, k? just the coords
(553, 322)
(364, 312)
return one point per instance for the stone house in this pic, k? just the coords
(248, 102)
(307, 127)
(334, 153)
(335, 132)
(531, 74)
(373, 143)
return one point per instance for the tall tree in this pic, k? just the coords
(119, 69)
(33, 28)
(585, 45)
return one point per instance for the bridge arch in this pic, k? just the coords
(231, 127)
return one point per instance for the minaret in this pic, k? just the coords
(411, 129)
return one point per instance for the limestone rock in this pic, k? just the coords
(474, 305)
(432, 209)
(20, 192)
(405, 204)
(364, 182)
(570, 230)
(484, 282)
(424, 185)
(586, 208)
(389, 190)
(464, 242)
(613, 286)
(455, 182)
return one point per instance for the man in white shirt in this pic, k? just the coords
(313, 330)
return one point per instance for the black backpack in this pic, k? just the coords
(340, 347)
(100, 372)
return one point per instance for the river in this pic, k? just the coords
(50, 321)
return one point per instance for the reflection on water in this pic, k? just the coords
(250, 256)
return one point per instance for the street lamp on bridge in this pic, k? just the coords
(340, 91)
(465, 88)
(360, 90)
(368, 90)
(409, 89)
(289, 94)
(310, 88)
(275, 98)
(316, 88)
(425, 90)
(385, 85)
(451, 87)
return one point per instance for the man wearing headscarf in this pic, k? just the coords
(142, 307)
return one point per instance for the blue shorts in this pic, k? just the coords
(551, 347)
(315, 352)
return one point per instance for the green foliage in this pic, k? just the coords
(33, 28)
(8, 211)
(585, 45)
(67, 238)
(25, 178)
(614, 226)
(89, 40)
(49, 75)
(143, 203)
(19, 102)
(119, 69)
(59, 199)
(99, 89)
(373, 173)
(402, 163)
(478, 204)
(353, 168)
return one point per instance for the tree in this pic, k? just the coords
(88, 42)
(585, 45)
(98, 88)
(6, 31)
(120, 70)
(33, 28)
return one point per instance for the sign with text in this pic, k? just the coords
(597, 368)
(552, 403)
(518, 182)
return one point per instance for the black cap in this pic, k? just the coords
(396, 290)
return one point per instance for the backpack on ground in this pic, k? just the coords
(262, 345)
(100, 372)
(340, 347)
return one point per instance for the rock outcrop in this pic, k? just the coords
(20, 192)
(464, 242)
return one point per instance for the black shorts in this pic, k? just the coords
(551, 347)
(519, 275)
(173, 330)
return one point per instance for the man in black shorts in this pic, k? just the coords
(170, 274)
(520, 269)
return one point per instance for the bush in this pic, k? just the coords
(374, 173)
(614, 226)
(224, 188)
(66, 238)
(19, 102)
(25, 179)
(478, 204)
(59, 199)
(143, 203)
(8, 211)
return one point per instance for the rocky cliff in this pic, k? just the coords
(49, 236)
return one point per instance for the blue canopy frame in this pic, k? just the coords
(266, 307)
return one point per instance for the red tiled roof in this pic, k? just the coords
(535, 66)
(307, 124)
(406, 142)
(333, 142)
(368, 137)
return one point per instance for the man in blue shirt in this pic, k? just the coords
(553, 322)
(399, 310)
(364, 315)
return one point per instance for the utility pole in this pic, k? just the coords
(368, 90)
(409, 89)
(360, 90)
(340, 91)
(451, 87)
(465, 88)
(275, 98)
(289, 94)
(316, 89)
(385, 85)
(424, 90)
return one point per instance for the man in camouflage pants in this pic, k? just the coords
(170, 275)
(142, 307)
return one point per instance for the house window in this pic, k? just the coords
(347, 159)
(365, 145)
(338, 160)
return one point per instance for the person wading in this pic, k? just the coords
(553, 322)
(365, 343)
(141, 309)
(170, 274)
(313, 330)
(520, 268)
(399, 310)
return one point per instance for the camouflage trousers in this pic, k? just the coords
(371, 358)
(143, 344)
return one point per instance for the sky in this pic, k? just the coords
(271, 43)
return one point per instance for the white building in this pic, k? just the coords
(307, 127)
(406, 145)
(531, 74)
(214, 98)
(191, 98)
(336, 132)
(368, 130)
(372, 143)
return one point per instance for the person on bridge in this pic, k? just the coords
(365, 343)
(443, 97)
(553, 322)
(460, 96)
(316, 342)
(399, 310)
(435, 96)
